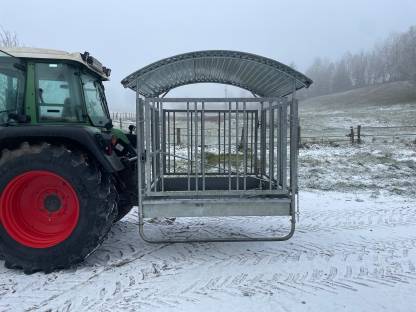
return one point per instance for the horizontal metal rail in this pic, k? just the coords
(211, 100)
(196, 153)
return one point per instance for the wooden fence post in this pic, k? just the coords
(242, 141)
(352, 135)
(178, 136)
(359, 134)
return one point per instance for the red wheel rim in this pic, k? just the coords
(39, 209)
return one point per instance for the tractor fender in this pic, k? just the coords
(90, 139)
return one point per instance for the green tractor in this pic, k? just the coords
(66, 175)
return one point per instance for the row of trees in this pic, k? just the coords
(392, 60)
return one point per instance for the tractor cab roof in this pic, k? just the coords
(83, 58)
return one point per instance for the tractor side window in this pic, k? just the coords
(58, 93)
(94, 100)
(12, 86)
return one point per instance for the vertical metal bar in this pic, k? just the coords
(188, 145)
(192, 142)
(168, 142)
(256, 125)
(174, 142)
(283, 159)
(293, 151)
(219, 142)
(196, 146)
(140, 151)
(293, 147)
(278, 129)
(153, 113)
(271, 144)
(224, 151)
(148, 138)
(164, 141)
(251, 141)
(203, 144)
(157, 156)
(161, 170)
(229, 146)
(244, 138)
(262, 143)
(237, 147)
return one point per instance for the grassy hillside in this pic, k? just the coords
(384, 94)
(390, 104)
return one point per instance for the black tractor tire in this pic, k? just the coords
(96, 206)
(127, 192)
(123, 209)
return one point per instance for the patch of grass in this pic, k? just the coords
(236, 159)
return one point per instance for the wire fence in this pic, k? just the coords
(355, 134)
(123, 120)
(359, 134)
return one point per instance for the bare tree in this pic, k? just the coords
(394, 59)
(321, 72)
(8, 39)
(341, 79)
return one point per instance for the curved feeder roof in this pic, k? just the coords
(260, 75)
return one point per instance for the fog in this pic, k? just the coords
(127, 35)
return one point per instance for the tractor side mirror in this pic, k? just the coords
(109, 124)
(132, 128)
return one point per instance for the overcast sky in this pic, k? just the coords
(127, 35)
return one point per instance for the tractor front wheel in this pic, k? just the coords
(56, 207)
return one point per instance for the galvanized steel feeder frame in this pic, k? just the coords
(262, 183)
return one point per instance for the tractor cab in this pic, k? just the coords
(12, 87)
(48, 86)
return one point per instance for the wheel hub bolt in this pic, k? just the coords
(52, 203)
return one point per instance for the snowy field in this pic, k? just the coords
(351, 252)
(354, 250)
(377, 168)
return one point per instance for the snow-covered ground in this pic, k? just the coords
(351, 252)
(377, 168)
(354, 250)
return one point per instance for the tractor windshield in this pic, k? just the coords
(12, 84)
(95, 100)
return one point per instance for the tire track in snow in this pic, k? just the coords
(330, 280)
(336, 274)
(331, 253)
(353, 219)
